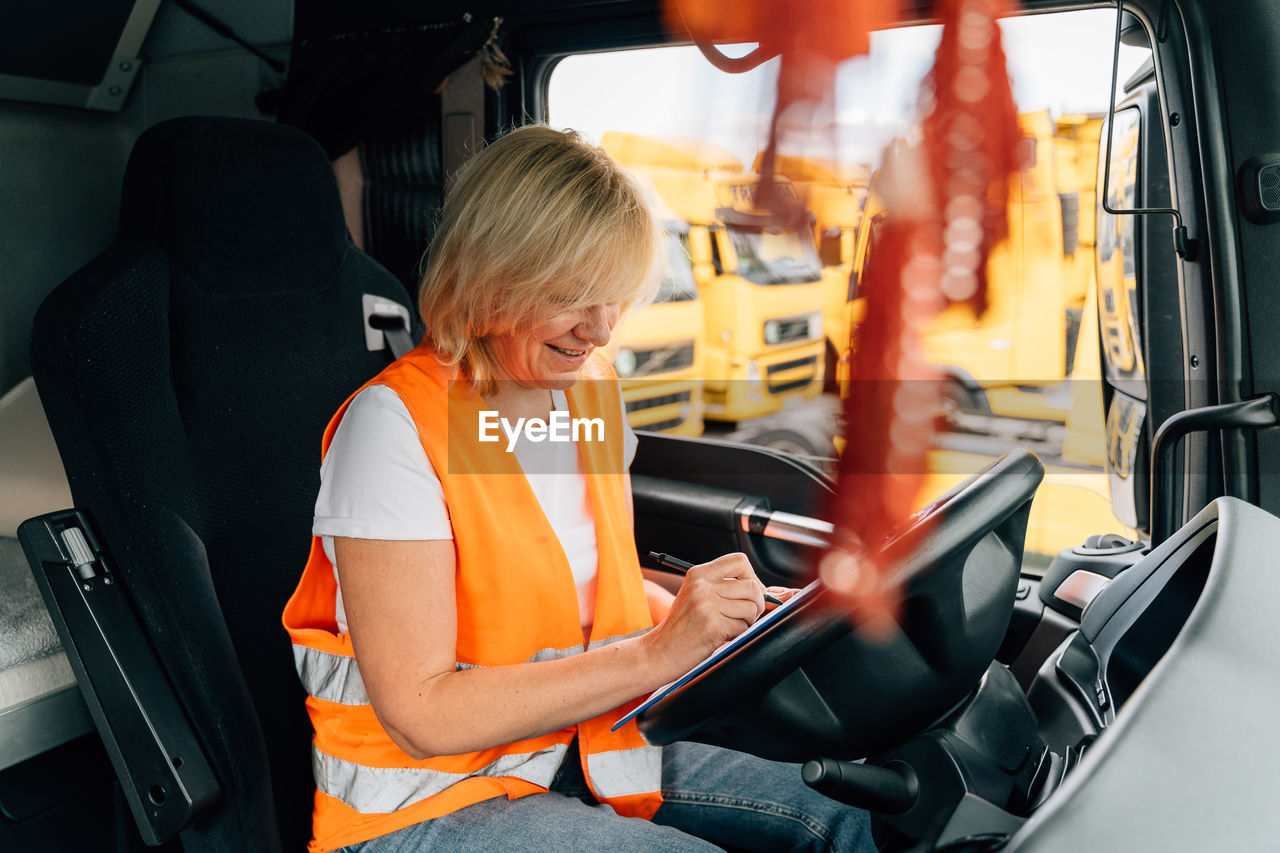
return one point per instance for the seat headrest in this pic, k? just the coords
(221, 197)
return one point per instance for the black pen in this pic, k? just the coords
(683, 566)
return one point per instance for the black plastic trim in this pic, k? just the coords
(166, 779)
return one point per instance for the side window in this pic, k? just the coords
(775, 305)
(677, 266)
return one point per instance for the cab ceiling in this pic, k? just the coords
(174, 32)
(268, 23)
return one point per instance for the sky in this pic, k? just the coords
(1061, 62)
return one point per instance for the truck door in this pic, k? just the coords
(1139, 316)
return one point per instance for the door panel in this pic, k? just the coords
(698, 498)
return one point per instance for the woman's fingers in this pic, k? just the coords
(717, 601)
(782, 593)
(741, 611)
(729, 577)
(735, 566)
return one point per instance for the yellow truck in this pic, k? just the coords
(1011, 361)
(759, 277)
(836, 194)
(657, 352)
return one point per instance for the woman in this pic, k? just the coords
(462, 689)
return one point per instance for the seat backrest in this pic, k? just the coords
(188, 373)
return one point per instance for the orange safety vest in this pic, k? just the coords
(517, 602)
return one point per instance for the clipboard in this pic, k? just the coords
(722, 652)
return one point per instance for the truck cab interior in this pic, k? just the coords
(213, 222)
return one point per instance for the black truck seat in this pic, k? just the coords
(187, 373)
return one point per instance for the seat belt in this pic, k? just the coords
(386, 325)
(395, 334)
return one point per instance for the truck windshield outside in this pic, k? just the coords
(776, 256)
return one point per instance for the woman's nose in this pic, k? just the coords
(597, 324)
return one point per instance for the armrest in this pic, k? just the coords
(165, 776)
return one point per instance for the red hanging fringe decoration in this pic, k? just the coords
(970, 128)
(946, 214)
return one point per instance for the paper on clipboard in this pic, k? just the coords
(724, 651)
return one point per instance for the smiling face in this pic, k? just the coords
(537, 220)
(552, 353)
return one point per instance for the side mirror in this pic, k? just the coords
(831, 247)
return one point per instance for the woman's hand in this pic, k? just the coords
(717, 602)
(782, 593)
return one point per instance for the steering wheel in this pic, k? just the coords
(807, 684)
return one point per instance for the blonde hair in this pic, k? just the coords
(539, 222)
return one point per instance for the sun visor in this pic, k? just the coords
(73, 54)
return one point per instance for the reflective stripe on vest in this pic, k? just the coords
(366, 785)
(336, 678)
(389, 789)
(333, 678)
(625, 772)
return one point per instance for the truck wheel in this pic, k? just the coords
(793, 441)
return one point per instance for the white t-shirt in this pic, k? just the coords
(376, 482)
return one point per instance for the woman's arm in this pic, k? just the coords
(400, 605)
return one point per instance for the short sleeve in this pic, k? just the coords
(376, 481)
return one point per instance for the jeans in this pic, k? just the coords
(712, 798)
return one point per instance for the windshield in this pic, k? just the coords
(776, 256)
(677, 270)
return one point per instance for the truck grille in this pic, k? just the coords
(662, 359)
(784, 385)
(661, 426)
(680, 398)
(661, 400)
